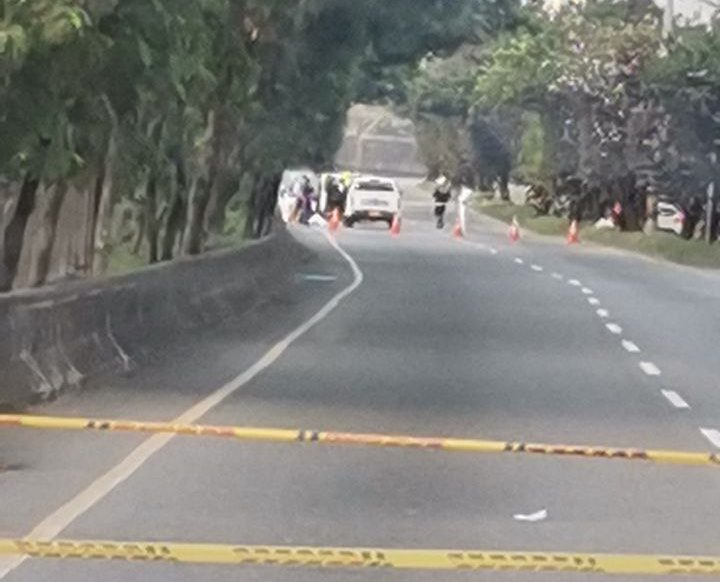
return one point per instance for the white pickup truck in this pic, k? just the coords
(372, 198)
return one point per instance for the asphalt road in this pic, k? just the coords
(476, 338)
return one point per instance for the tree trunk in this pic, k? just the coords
(173, 225)
(252, 203)
(105, 204)
(44, 238)
(221, 195)
(151, 221)
(194, 237)
(14, 234)
(140, 234)
(585, 120)
(266, 208)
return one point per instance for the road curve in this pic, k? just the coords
(477, 338)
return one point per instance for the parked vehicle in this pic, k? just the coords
(670, 217)
(372, 198)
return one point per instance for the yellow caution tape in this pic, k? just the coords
(403, 559)
(374, 440)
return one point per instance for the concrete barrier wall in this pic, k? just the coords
(58, 337)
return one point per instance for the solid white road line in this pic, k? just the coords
(55, 523)
(493, 251)
(603, 313)
(536, 268)
(593, 301)
(649, 368)
(587, 291)
(614, 328)
(675, 399)
(519, 261)
(557, 276)
(713, 435)
(574, 283)
(630, 346)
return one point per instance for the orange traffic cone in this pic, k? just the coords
(334, 222)
(395, 226)
(573, 236)
(514, 233)
(458, 229)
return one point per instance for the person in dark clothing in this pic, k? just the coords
(305, 202)
(337, 195)
(441, 196)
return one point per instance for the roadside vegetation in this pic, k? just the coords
(136, 131)
(659, 245)
(599, 105)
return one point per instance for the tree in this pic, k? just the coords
(167, 107)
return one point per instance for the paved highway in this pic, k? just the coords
(477, 338)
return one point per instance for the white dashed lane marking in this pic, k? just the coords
(675, 399)
(649, 368)
(713, 435)
(614, 328)
(630, 346)
(493, 251)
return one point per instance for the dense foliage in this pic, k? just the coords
(169, 110)
(591, 98)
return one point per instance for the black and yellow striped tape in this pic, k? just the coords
(373, 440)
(330, 557)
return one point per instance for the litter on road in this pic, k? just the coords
(532, 517)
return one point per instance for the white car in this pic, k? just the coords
(372, 198)
(670, 217)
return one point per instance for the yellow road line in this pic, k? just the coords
(373, 440)
(333, 557)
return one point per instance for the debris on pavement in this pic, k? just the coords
(532, 517)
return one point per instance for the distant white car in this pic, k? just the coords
(670, 217)
(372, 198)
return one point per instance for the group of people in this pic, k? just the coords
(302, 200)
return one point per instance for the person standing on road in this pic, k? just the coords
(441, 196)
(306, 202)
(337, 195)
